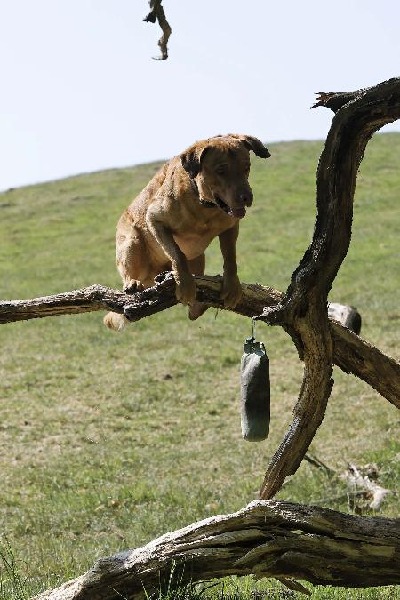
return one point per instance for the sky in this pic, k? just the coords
(81, 93)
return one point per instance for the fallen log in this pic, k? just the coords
(286, 541)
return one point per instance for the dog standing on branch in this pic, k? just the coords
(201, 194)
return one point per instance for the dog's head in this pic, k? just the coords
(220, 167)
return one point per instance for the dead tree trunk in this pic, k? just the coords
(266, 538)
(302, 311)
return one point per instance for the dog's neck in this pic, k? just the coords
(206, 203)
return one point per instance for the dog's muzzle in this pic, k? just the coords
(239, 211)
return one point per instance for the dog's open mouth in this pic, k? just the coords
(237, 212)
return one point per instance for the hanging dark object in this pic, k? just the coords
(157, 14)
(255, 391)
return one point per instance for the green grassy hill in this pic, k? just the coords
(109, 440)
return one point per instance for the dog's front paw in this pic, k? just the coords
(132, 286)
(232, 291)
(185, 288)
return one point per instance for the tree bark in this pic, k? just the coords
(302, 311)
(267, 538)
(350, 352)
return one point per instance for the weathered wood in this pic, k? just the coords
(302, 310)
(266, 538)
(351, 353)
(92, 298)
(354, 355)
(346, 315)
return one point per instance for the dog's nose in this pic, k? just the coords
(246, 198)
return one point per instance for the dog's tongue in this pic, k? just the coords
(238, 212)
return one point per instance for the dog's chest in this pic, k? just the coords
(194, 240)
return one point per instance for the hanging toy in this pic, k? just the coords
(255, 391)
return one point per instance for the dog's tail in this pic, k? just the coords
(115, 321)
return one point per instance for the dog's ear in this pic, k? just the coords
(253, 143)
(191, 161)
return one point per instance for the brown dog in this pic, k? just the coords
(201, 194)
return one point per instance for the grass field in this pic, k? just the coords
(109, 440)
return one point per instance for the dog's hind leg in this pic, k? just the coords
(131, 255)
(133, 264)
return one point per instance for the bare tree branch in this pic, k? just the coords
(350, 352)
(267, 538)
(302, 310)
(335, 100)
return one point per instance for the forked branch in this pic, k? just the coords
(302, 310)
(350, 352)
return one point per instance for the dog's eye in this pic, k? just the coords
(222, 169)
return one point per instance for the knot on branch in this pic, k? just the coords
(273, 315)
(147, 302)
